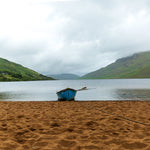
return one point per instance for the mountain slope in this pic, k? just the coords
(66, 76)
(135, 66)
(10, 71)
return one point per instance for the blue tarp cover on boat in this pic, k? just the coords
(66, 94)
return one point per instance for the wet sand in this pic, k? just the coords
(74, 125)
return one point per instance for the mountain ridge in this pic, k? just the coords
(10, 71)
(134, 66)
(64, 76)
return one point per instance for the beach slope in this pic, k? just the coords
(75, 125)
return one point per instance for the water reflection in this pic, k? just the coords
(5, 96)
(133, 94)
(10, 96)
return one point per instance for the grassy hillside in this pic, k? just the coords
(135, 66)
(10, 71)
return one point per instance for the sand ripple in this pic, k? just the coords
(74, 126)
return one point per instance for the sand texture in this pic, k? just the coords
(75, 125)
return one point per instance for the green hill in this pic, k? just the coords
(135, 66)
(10, 71)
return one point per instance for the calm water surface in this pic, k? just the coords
(111, 89)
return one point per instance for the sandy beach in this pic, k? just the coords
(75, 125)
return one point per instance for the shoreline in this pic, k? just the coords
(80, 101)
(77, 125)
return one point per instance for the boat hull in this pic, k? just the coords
(66, 95)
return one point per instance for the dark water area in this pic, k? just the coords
(98, 90)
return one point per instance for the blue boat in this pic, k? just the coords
(67, 94)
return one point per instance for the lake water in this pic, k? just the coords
(110, 89)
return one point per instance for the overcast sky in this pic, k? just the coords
(72, 36)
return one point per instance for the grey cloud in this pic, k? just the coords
(80, 36)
